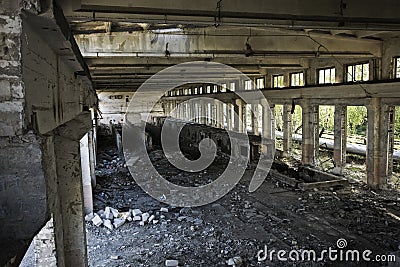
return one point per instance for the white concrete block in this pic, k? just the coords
(108, 214)
(145, 216)
(151, 218)
(141, 223)
(97, 220)
(118, 222)
(136, 212)
(137, 218)
(171, 263)
(108, 224)
(155, 221)
(114, 212)
(164, 210)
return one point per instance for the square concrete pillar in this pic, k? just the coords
(254, 118)
(340, 139)
(203, 112)
(310, 133)
(287, 130)
(240, 124)
(391, 114)
(86, 174)
(377, 143)
(70, 190)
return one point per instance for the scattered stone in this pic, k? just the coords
(97, 220)
(101, 214)
(115, 257)
(124, 215)
(137, 218)
(108, 224)
(108, 214)
(155, 221)
(118, 222)
(171, 263)
(136, 212)
(145, 216)
(89, 217)
(114, 212)
(152, 217)
(141, 223)
(164, 210)
(235, 261)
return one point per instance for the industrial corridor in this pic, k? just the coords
(199, 133)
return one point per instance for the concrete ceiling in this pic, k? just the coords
(125, 41)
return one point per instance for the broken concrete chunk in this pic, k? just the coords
(108, 214)
(114, 257)
(155, 221)
(145, 216)
(97, 220)
(164, 210)
(124, 215)
(108, 224)
(137, 218)
(89, 217)
(118, 222)
(171, 263)
(235, 261)
(101, 214)
(136, 212)
(141, 223)
(152, 217)
(114, 212)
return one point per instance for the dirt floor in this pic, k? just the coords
(238, 226)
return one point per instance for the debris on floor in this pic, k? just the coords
(231, 231)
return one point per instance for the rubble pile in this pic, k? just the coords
(111, 218)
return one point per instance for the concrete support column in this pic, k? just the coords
(268, 122)
(69, 175)
(92, 156)
(191, 111)
(340, 139)
(203, 119)
(236, 109)
(310, 133)
(254, 117)
(86, 174)
(244, 117)
(228, 116)
(391, 111)
(287, 130)
(218, 117)
(377, 143)
(239, 111)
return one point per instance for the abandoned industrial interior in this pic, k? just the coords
(199, 133)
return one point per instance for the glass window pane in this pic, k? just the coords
(321, 78)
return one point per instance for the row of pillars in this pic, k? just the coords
(221, 115)
(380, 134)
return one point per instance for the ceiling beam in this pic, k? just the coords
(355, 14)
(226, 42)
